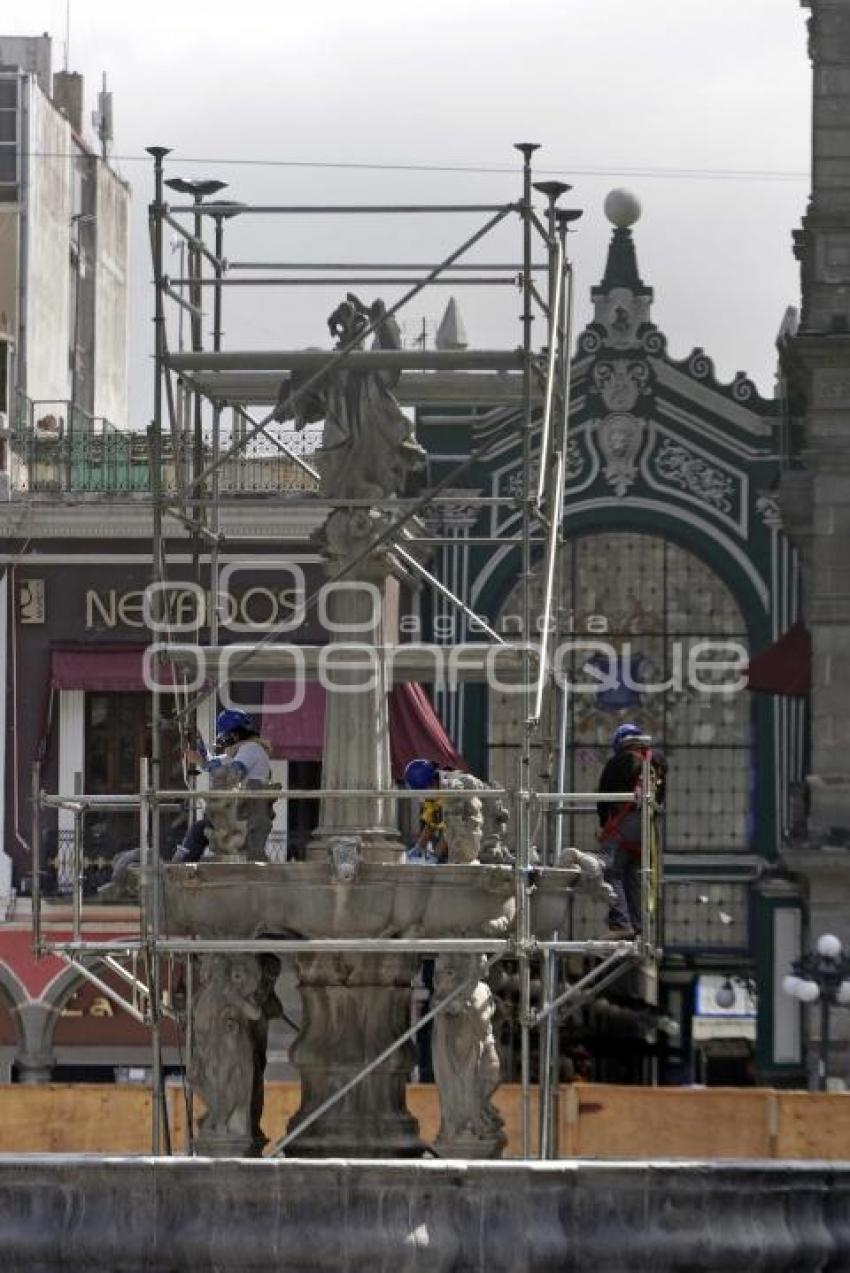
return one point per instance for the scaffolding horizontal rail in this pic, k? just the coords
(307, 360)
(333, 209)
(350, 945)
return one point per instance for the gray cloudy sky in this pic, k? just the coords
(615, 90)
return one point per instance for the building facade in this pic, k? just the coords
(64, 257)
(816, 490)
(674, 555)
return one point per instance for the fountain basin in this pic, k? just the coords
(253, 899)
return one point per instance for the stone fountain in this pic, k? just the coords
(354, 882)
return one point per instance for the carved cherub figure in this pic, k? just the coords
(226, 1013)
(466, 1063)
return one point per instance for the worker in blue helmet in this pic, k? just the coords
(430, 844)
(246, 756)
(619, 832)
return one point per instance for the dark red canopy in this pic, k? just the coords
(784, 667)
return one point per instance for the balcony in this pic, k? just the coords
(57, 449)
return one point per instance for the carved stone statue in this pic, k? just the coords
(592, 881)
(464, 825)
(474, 827)
(226, 1017)
(270, 1008)
(466, 1063)
(227, 833)
(368, 445)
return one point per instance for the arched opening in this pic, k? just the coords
(643, 627)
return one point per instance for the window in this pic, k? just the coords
(651, 602)
(117, 736)
(8, 139)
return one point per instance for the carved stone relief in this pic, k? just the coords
(620, 437)
(676, 464)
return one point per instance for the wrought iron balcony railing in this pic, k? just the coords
(59, 449)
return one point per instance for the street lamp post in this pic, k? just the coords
(822, 974)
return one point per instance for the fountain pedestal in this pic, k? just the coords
(355, 1006)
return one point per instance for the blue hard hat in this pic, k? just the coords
(623, 733)
(419, 775)
(229, 721)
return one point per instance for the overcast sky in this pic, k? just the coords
(701, 109)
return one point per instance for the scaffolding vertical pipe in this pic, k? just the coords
(35, 850)
(647, 872)
(190, 1049)
(548, 1055)
(523, 855)
(196, 327)
(555, 280)
(563, 219)
(77, 862)
(149, 813)
(215, 512)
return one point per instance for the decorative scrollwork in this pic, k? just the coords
(700, 365)
(742, 388)
(676, 464)
(590, 342)
(654, 342)
(575, 461)
(768, 507)
(621, 381)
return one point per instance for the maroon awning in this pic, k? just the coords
(415, 728)
(295, 735)
(416, 731)
(98, 668)
(784, 667)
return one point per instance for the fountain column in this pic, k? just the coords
(356, 752)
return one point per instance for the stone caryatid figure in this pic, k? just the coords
(228, 828)
(368, 445)
(230, 1025)
(466, 1063)
(474, 827)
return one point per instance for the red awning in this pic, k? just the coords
(415, 728)
(417, 731)
(784, 667)
(295, 735)
(97, 668)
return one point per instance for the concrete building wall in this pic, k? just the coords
(32, 53)
(48, 212)
(112, 297)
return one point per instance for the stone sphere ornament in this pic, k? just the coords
(622, 208)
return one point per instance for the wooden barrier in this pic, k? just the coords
(594, 1120)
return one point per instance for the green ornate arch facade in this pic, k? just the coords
(659, 448)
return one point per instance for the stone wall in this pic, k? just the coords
(68, 1214)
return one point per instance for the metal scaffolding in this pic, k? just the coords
(215, 380)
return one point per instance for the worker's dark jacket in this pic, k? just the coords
(623, 773)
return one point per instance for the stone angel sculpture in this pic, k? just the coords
(368, 444)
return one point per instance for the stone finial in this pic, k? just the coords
(451, 334)
(622, 208)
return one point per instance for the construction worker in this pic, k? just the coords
(246, 756)
(430, 844)
(619, 832)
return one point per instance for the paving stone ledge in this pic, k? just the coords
(62, 1212)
